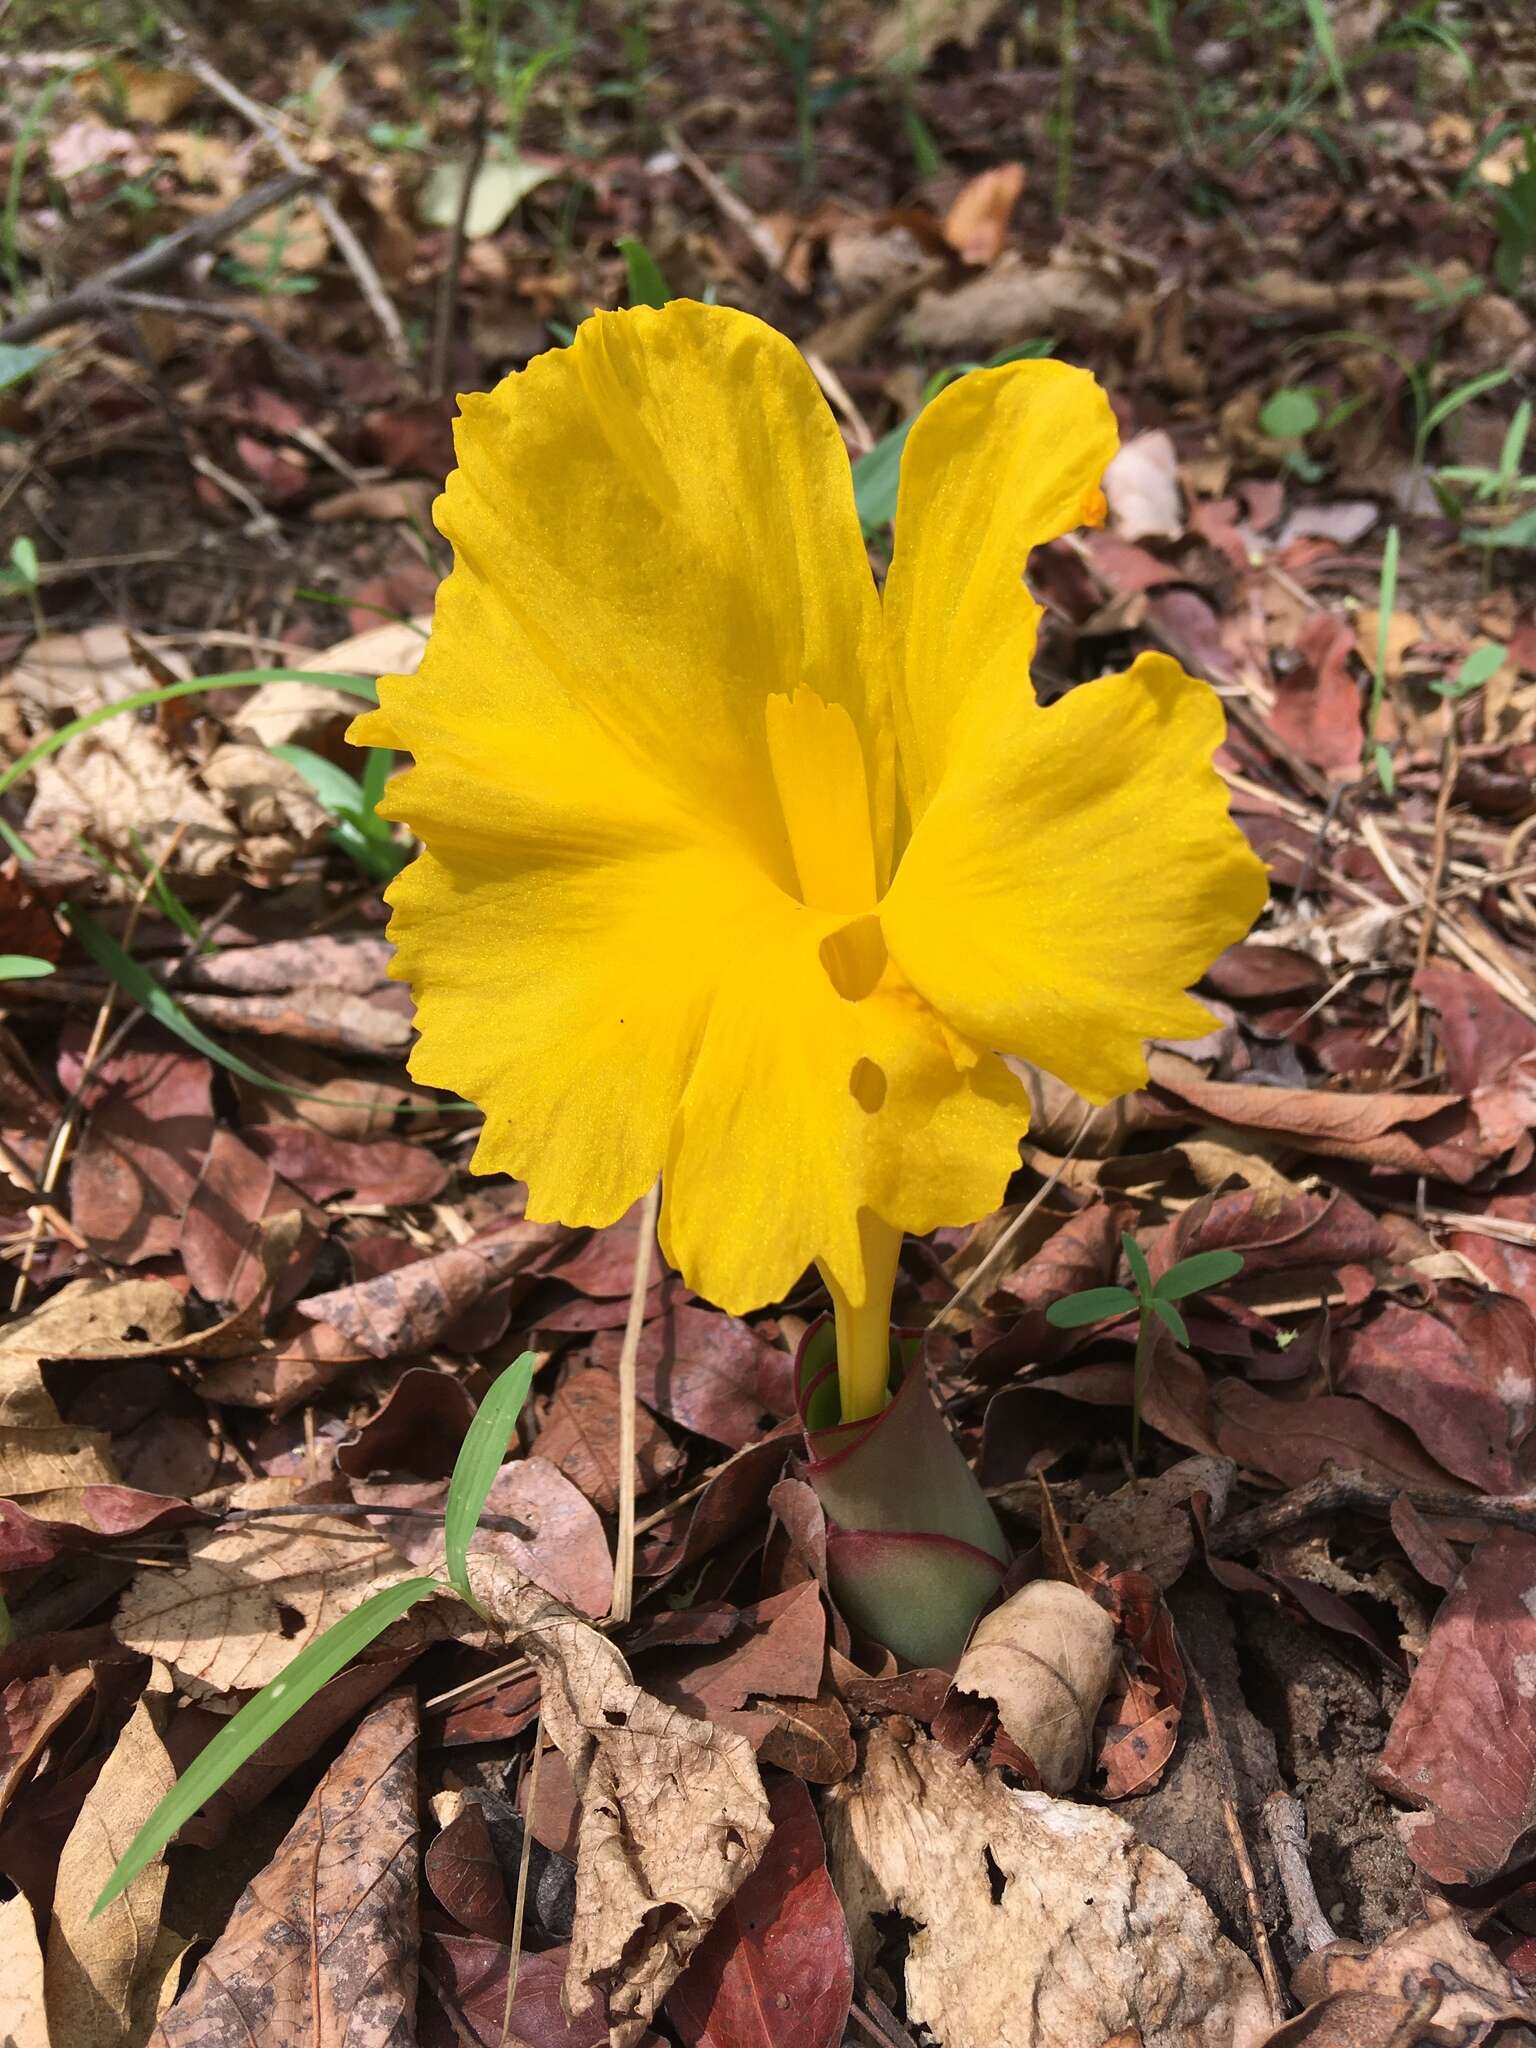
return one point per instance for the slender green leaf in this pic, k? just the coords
(141, 700)
(1519, 533)
(24, 967)
(1168, 1315)
(1453, 401)
(17, 362)
(259, 1720)
(1190, 1276)
(1093, 1305)
(1483, 663)
(480, 1458)
(1386, 774)
(1136, 1259)
(24, 560)
(647, 286)
(1322, 34)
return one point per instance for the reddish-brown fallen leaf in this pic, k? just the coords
(1460, 1748)
(732, 1501)
(287, 1369)
(470, 1974)
(811, 1738)
(1082, 1253)
(410, 1308)
(32, 1711)
(148, 1128)
(97, 1515)
(700, 1368)
(1435, 1135)
(221, 1241)
(1463, 1379)
(777, 1965)
(1480, 1034)
(1318, 701)
(355, 963)
(1253, 970)
(323, 1016)
(384, 1170)
(1139, 1721)
(1274, 1233)
(418, 1430)
(322, 1946)
(461, 1867)
(777, 1648)
(604, 1264)
(580, 1437)
(1294, 1441)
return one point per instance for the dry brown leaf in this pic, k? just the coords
(1069, 294)
(252, 1597)
(1036, 1923)
(321, 1947)
(1141, 486)
(278, 713)
(23, 2015)
(673, 1812)
(38, 1449)
(1045, 1657)
(269, 797)
(1365, 1998)
(976, 225)
(106, 1977)
(907, 36)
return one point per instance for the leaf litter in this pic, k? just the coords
(253, 1324)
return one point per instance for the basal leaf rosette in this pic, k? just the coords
(739, 871)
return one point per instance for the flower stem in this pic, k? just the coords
(864, 1326)
(1146, 1331)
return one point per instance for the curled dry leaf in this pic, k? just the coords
(251, 1597)
(1045, 1657)
(23, 2013)
(673, 1813)
(1460, 1747)
(322, 1946)
(108, 1977)
(1035, 1923)
(410, 1308)
(1141, 486)
(1369, 1998)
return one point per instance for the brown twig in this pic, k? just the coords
(1226, 1780)
(95, 296)
(624, 1542)
(1334, 1489)
(520, 1903)
(1285, 1823)
(348, 247)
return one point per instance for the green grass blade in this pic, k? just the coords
(24, 967)
(1136, 1259)
(1093, 1305)
(480, 1458)
(647, 286)
(1190, 1276)
(141, 700)
(259, 1720)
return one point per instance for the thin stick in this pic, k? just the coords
(169, 253)
(1334, 1489)
(448, 283)
(624, 1548)
(348, 247)
(1285, 1823)
(1226, 1780)
(520, 1903)
(950, 1313)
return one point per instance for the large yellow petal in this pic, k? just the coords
(806, 1106)
(1000, 462)
(653, 533)
(1075, 873)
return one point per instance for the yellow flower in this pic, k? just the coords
(738, 872)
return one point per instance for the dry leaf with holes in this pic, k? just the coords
(673, 1812)
(108, 1979)
(1034, 1923)
(321, 1946)
(1045, 1658)
(252, 1597)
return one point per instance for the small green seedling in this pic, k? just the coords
(480, 1456)
(1152, 1301)
(1289, 416)
(1480, 666)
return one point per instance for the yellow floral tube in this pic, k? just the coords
(737, 870)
